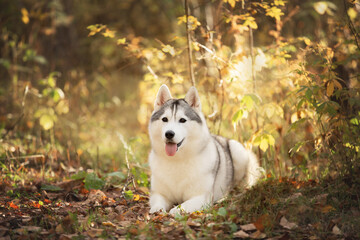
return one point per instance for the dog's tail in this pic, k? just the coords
(247, 170)
(253, 170)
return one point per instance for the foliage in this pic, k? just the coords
(78, 81)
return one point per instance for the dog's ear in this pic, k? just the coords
(193, 99)
(162, 96)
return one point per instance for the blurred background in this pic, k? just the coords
(78, 80)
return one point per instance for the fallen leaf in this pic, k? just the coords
(192, 223)
(263, 222)
(286, 224)
(257, 235)
(248, 227)
(59, 229)
(327, 208)
(166, 230)
(241, 234)
(94, 232)
(136, 197)
(336, 230)
(13, 205)
(109, 224)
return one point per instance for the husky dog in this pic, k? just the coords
(190, 166)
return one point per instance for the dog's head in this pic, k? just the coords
(175, 122)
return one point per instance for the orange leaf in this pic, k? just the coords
(263, 222)
(327, 208)
(47, 201)
(12, 205)
(330, 88)
(35, 204)
(83, 191)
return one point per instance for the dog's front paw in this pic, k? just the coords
(176, 210)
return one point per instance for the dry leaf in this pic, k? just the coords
(263, 222)
(327, 208)
(258, 235)
(241, 234)
(192, 223)
(94, 232)
(286, 224)
(248, 227)
(109, 224)
(336, 230)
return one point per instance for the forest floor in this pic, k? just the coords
(277, 208)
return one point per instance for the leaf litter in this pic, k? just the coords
(67, 209)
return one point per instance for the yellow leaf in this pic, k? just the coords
(25, 16)
(121, 41)
(352, 13)
(231, 2)
(136, 197)
(264, 144)
(330, 88)
(109, 33)
(169, 49)
(327, 208)
(279, 3)
(109, 224)
(196, 46)
(46, 121)
(274, 12)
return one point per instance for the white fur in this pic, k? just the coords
(188, 178)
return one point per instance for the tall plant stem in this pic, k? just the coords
(191, 69)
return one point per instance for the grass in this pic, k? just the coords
(56, 207)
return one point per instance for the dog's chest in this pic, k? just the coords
(181, 179)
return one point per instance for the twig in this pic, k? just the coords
(351, 26)
(222, 100)
(191, 69)
(24, 157)
(130, 177)
(251, 45)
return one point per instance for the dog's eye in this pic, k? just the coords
(182, 120)
(164, 119)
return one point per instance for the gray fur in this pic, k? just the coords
(173, 104)
(223, 144)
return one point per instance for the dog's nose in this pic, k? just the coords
(169, 134)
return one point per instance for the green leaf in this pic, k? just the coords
(92, 181)
(222, 212)
(79, 175)
(51, 188)
(250, 101)
(129, 194)
(115, 177)
(238, 116)
(4, 62)
(355, 121)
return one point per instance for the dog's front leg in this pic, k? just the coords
(193, 204)
(158, 202)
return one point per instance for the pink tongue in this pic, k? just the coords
(170, 149)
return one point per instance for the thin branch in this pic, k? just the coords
(222, 100)
(191, 69)
(251, 45)
(351, 26)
